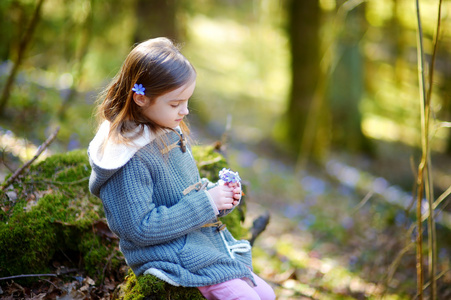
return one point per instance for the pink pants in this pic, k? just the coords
(238, 289)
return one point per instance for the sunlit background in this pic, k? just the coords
(340, 195)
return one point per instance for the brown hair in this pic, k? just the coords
(159, 66)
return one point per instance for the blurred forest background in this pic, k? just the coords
(320, 103)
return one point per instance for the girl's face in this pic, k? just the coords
(169, 109)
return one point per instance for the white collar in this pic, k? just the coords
(115, 155)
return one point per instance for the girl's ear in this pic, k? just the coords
(140, 100)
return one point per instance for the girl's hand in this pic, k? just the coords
(236, 188)
(223, 196)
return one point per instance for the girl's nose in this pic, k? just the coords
(184, 111)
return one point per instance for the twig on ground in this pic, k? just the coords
(363, 202)
(105, 267)
(28, 163)
(397, 261)
(28, 275)
(54, 285)
(40, 275)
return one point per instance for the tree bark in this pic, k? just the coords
(303, 31)
(156, 18)
(347, 85)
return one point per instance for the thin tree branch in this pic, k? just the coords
(396, 262)
(436, 278)
(434, 53)
(27, 164)
(363, 202)
(442, 197)
(437, 203)
(444, 124)
(105, 267)
(431, 221)
(28, 275)
(24, 42)
(422, 168)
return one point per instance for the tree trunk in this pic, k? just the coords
(303, 31)
(156, 18)
(346, 85)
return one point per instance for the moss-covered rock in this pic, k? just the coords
(48, 214)
(151, 288)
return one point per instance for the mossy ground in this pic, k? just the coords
(210, 162)
(151, 288)
(48, 215)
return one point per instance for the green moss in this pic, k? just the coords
(234, 224)
(25, 245)
(210, 162)
(95, 254)
(150, 287)
(29, 238)
(65, 167)
(53, 212)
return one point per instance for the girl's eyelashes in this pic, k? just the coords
(176, 104)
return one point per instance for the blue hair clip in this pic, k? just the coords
(139, 89)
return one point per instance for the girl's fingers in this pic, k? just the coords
(227, 206)
(229, 195)
(228, 189)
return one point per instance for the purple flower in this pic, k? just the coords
(227, 175)
(139, 89)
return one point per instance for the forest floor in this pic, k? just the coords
(343, 229)
(335, 232)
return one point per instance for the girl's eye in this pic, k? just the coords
(175, 105)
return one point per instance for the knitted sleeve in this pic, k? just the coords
(132, 214)
(210, 184)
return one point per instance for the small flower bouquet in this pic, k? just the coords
(228, 176)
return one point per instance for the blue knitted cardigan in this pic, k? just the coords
(158, 225)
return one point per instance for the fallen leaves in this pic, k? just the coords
(73, 287)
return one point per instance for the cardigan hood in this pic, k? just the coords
(109, 155)
(106, 157)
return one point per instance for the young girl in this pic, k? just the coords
(164, 214)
